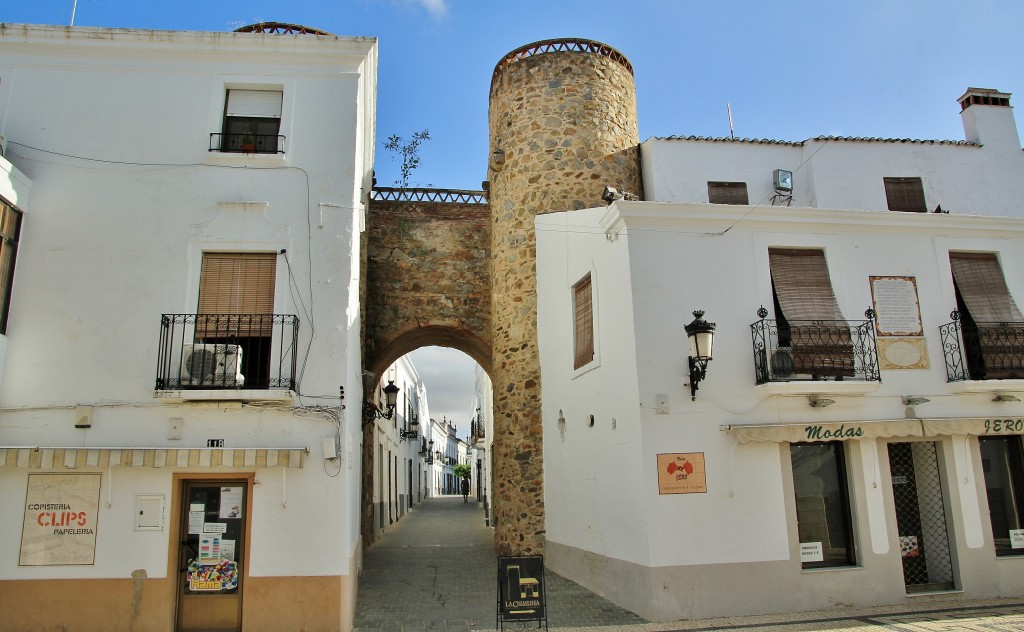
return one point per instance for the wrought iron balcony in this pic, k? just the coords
(227, 351)
(982, 350)
(809, 350)
(247, 143)
(477, 430)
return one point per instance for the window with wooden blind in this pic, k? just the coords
(10, 230)
(905, 194)
(727, 192)
(239, 285)
(583, 309)
(990, 320)
(808, 314)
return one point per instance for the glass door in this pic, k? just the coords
(210, 556)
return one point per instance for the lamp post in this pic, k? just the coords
(701, 335)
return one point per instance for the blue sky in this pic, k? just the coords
(790, 70)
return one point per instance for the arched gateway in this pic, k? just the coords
(458, 268)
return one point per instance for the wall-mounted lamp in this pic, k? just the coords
(372, 411)
(412, 432)
(701, 334)
(820, 402)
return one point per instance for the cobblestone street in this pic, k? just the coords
(436, 570)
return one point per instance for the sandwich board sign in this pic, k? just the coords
(521, 595)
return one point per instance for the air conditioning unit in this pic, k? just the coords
(782, 362)
(212, 365)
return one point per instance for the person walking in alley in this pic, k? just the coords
(465, 490)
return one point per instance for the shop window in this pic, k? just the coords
(991, 323)
(1001, 462)
(10, 230)
(822, 504)
(905, 194)
(727, 192)
(583, 309)
(811, 329)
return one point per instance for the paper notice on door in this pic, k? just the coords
(195, 521)
(811, 552)
(209, 548)
(215, 527)
(227, 550)
(231, 502)
(1017, 538)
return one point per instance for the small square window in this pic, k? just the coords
(727, 192)
(905, 194)
(252, 122)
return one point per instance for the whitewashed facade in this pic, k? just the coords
(150, 154)
(747, 526)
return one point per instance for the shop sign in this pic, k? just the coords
(818, 433)
(521, 590)
(682, 473)
(61, 511)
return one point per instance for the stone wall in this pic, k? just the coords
(563, 115)
(426, 281)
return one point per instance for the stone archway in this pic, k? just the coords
(425, 282)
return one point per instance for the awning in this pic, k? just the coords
(835, 431)
(47, 458)
(980, 426)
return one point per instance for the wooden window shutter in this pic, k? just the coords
(583, 304)
(905, 194)
(981, 284)
(820, 337)
(727, 192)
(240, 284)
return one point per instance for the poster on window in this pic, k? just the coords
(61, 511)
(682, 473)
(909, 546)
(1017, 538)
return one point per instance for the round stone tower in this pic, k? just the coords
(563, 126)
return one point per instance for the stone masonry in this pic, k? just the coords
(426, 281)
(562, 127)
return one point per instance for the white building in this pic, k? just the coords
(175, 452)
(482, 437)
(827, 458)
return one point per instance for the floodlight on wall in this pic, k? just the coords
(820, 402)
(910, 400)
(701, 335)
(1005, 397)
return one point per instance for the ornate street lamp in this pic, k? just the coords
(701, 334)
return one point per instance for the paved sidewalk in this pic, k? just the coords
(436, 570)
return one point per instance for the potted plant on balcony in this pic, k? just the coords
(249, 144)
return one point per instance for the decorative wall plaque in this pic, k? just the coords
(897, 310)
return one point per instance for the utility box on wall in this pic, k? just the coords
(149, 512)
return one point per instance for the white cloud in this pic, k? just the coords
(436, 8)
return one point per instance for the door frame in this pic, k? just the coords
(178, 481)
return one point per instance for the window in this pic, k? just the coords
(1004, 486)
(822, 504)
(10, 229)
(252, 121)
(236, 306)
(905, 194)
(810, 324)
(991, 324)
(727, 192)
(583, 308)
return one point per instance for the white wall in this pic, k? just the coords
(113, 128)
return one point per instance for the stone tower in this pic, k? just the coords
(562, 127)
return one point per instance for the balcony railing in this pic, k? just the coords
(477, 430)
(227, 351)
(247, 143)
(982, 350)
(815, 350)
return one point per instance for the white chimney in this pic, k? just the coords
(988, 119)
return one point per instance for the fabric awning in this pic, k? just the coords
(47, 458)
(834, 431)
(980, 426)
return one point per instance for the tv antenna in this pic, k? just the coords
(728, 108)
(74, 6)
